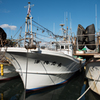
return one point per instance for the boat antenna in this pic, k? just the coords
(29, 8)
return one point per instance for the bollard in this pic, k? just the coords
(2, 70)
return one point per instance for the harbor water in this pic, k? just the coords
(14, 90)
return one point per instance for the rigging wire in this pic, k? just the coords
(41, 39)
(18, 40)
(37, 27)
(56, 36)
(43, 27)
(43, 35)
(19, 29)
(38, 33)
(43, 30)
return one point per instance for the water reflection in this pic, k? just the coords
(69, 91)
(11, 90)
(14, 90)
(90, 95)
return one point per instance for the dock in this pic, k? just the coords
(87, 56)
(89, 53)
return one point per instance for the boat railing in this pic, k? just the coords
(56, 46)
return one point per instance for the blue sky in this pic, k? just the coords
(49, 13)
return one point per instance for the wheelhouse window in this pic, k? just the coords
(70, 46)
(57, 46)
(62, 47)
(66, 47)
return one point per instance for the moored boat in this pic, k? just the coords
(44, 68)
(38, 67)
(93, 75)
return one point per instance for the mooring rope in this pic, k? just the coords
(89, 87)
(84, 93)
(26, 75)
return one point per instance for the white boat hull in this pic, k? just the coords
(9, 72)
(44, 68)
(93, 75)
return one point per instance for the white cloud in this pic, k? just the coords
(5, 11)
(8, 26)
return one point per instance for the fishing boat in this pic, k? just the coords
(93, 75)
(40, 68)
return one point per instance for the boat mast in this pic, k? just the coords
(63, 30)
(70, 36)
(96, 16)
(66, 25)
(28, 27)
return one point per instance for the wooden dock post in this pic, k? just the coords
(80, 66)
